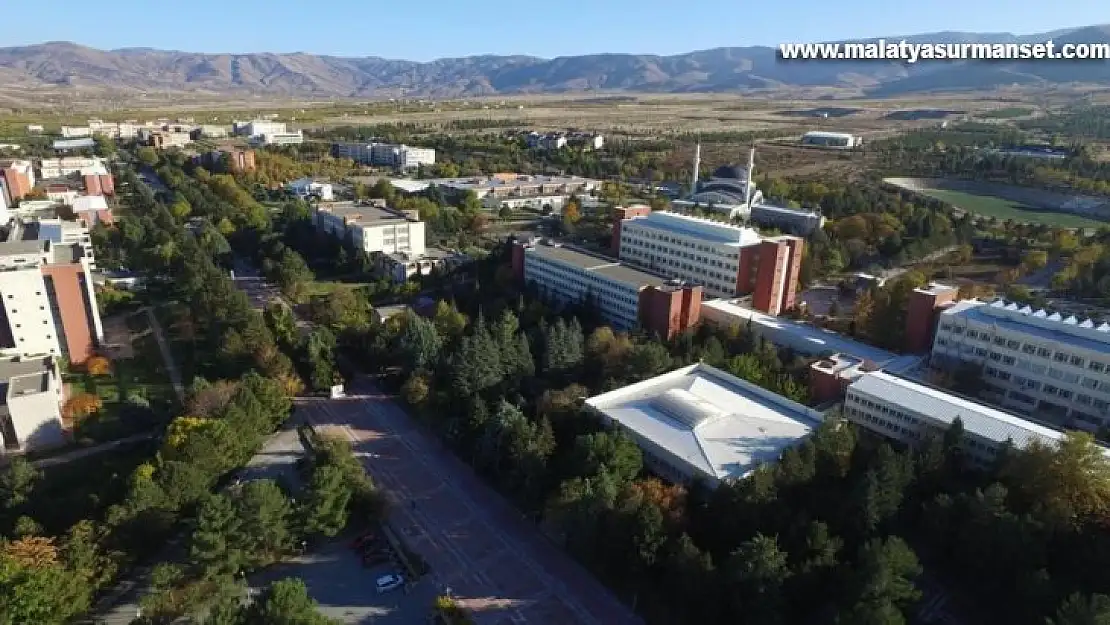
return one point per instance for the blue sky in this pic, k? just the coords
(422, 30)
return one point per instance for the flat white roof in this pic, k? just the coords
(86, 203)
(698, 227)
(1047, 327)
(979, 419)
(716, 424)
(829, 135)
(808, 339)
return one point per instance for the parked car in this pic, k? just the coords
(387, 583)
(361, 541)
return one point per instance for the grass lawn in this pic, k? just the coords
(993, 206)
(1006, 113)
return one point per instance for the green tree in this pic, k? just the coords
(214, 546)
(1080, 610)
(285, 602)
(264, 514)
(147, 156)
(325, 507)
(17, 482)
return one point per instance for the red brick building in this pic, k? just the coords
(626, 297)
(925, 306)
(728, 260)
(19, 178)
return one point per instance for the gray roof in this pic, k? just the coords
(23, 377)
(979, 419)
(1049, 327)
(360, 214)
(599, 264)
(22, 246)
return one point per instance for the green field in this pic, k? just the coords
(993, 206)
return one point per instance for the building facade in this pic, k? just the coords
(19, 178)
(31, 396)
(372, 229)
(727, 260)
(625, 297)
(912, 413)
(67, 166)
(279, 138)
(831, 140)
(922, 312)
(260, 127)
(307, 187)
(49, 307)
(385, 154)
(1033, 362)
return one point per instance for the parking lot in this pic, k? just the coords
(345, 589)
(496, 564)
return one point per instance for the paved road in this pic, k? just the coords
(496, 563)
(277, 458)
(167, 355)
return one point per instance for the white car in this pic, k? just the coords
(389, 582)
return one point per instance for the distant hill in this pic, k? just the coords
(67, 65)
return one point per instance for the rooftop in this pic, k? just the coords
(24, 377)
(495, 181)
(809, 339)
(719, 425)
(830, 135)
(23, 247)
(1051, 327)
(698, 227)
(936, 288)
(599, 264)
(86, 203)
(361, 214)
(984, 421)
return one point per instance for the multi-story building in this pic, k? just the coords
(92, 209)
(233, 160)
(31, 396)
(923, 310)
(72, 145)
(1033, 361)
(837, 140)
(626, 297)
(34, 129)
(67, 166)
(727, 260)
(210, 132)
(98, 180)
(260, 127)
(19, 178)
(372, 229)
(76, 132)
(103, 128)
(385, 154)
(49, 307)
(492, 189)
(61, 193)
(278, 138)
(308, 187)
(400, 266)
(164, 139)
(911, 412)
(700, 423)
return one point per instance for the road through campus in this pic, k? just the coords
(493, 561)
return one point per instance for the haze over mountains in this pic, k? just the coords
(62, 65)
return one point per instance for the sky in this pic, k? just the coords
(422, 30)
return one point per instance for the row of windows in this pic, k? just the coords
(1032, 349)
(1093, 383)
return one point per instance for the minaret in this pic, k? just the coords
(697, 166)
(748, 186)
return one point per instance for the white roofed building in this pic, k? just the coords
(839, 140)
(699, 422)
(912, 413)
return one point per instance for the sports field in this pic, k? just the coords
(994, 206)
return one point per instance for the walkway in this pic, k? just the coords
(167, 355)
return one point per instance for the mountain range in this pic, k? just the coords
(137, 70)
